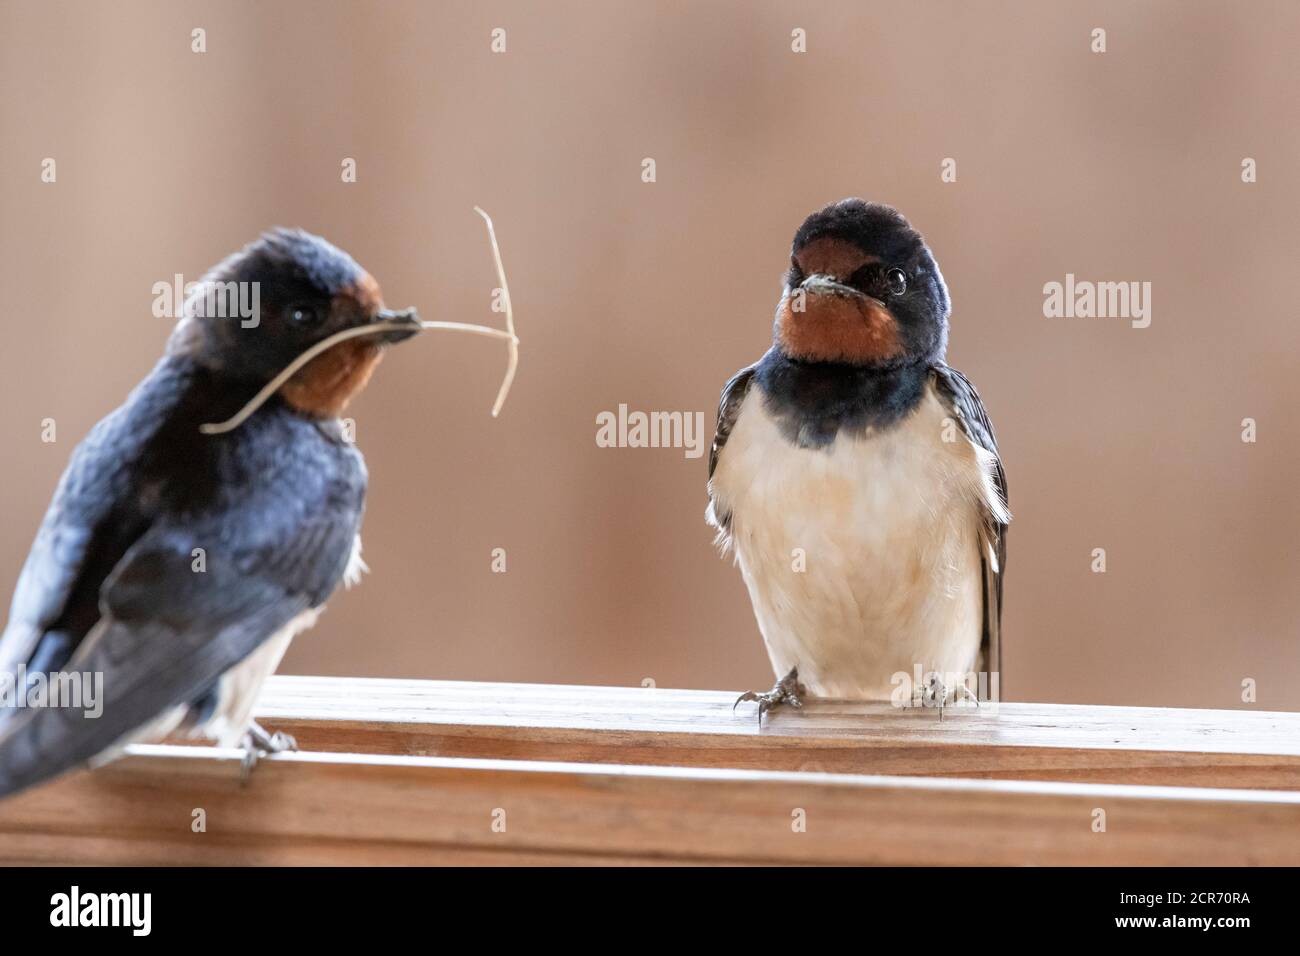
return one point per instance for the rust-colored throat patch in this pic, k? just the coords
(837, 328)
(832, 327)
(325, 385)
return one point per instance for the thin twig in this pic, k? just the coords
(472, 329)
(513, 346)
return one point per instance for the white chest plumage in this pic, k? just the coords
(862, 559)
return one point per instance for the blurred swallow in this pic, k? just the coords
(856, 476)
(179, 565)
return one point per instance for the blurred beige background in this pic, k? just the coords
(1119, 166)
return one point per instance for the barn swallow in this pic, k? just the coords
(179, 565)
(856, 477)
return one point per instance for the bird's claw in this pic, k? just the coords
(281, 742)
(249, 761)
(257, 742)
(936, 694)
(787, 690)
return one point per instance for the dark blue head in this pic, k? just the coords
(862, 289)
(260, 308)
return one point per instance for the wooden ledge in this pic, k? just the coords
(314, 808)
(441, 772)
(631, 725)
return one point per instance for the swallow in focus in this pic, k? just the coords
(856, 477)
(112, 584)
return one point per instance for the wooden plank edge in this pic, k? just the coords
(309, 807)
(1157, 746)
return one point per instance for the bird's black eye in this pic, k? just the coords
(303, 315)
(896, 280)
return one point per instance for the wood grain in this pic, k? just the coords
(1139, 745)
(410, 772)
(339, 808)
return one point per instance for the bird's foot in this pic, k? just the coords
(257, 742)
(935, 693)
(787, 690)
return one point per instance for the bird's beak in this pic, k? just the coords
(408, 318)
(821, 284)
